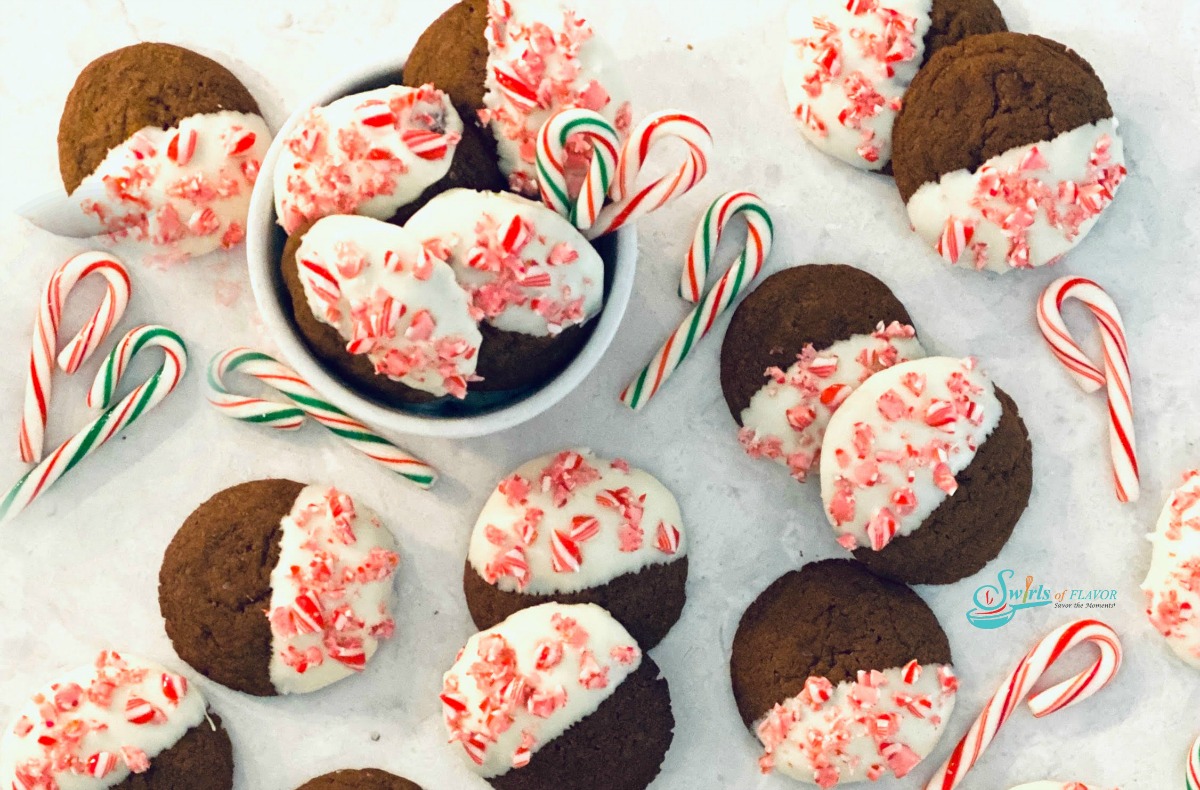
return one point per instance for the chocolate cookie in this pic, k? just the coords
(274, 587)
(1172, 585)
(851, 63)
(925, 470)
(163, 145)
(574, 528)
(346, 278)
(379, 153)
(130, 723)
(359, 779)
(1006, 151)
(590, 701)
(534, 280)
(499, 66)
(824, 654)
(798, 346)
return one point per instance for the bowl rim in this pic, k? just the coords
(261, 222)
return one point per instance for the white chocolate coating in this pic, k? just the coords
(536, 536)
(892, 449)
(1172, 585)
(392, 300)
(543, 58)
(368, 153)
(185, 190)
(884, 723)
(330, 592)
(521, 684)
(786, 419)
(120, 709)
(1069, 180)
(847, 69)
(526, 268)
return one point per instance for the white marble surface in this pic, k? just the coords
(78, 571)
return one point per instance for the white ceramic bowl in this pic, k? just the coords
(480, 413)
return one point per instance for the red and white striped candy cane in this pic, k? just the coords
(1020, 683)
(1115, 373)
(552, 163)
(630, 203)
(114, 419)
(38, 386)
(760, 233)
(708, 234)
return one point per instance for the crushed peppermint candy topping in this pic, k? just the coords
(184, 190)
(565, 522)
(98, 725)
(392, 299)
(848, 72)
(891, 452)
(525, 267)
(1172, 586)
(542, 58)
(330, 592)
(368, 153)
(1026, 207)
(785, 421)
(519, 685)
(883, 723)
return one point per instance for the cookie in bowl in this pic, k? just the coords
(163, 146)
(381, 310)
(534, 282)
(512, 64)
(379, 153)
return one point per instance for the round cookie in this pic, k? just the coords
(850, 64)
(798, 346)
(359, 779)
(124, 723)
(534, 281)
(1006, 151)
(574, 528)
(842, 676)
(1172, 585)
(556, 696)
(273, 587)
(380, 153)
(162, 146)
(925, 470)
(514, 63)
(380, 310)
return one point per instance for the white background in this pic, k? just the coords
(78, 571)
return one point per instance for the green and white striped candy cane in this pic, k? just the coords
(114, 419)
(307, 403)
(552, 158)
(760, 233)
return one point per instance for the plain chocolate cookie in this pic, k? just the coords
(648, 603)
(619, 747)
(201, 760)
(953, 20)
(829, 619)
(818, 304)
(514, 360)
(215, 583)
(327, 344)
(986, 95)
(147, 84)
(968, 530)
(359, 779)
